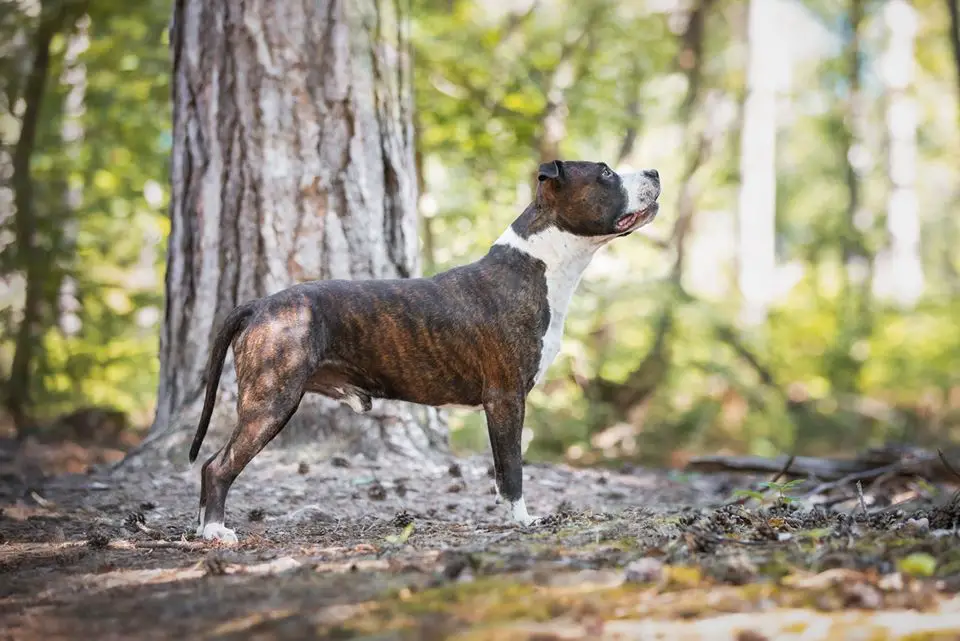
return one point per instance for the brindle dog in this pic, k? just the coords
(480, 335)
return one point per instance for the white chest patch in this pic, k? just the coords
(566, 256)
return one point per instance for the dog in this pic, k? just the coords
(481, 335)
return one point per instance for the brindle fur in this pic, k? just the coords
(469, 336)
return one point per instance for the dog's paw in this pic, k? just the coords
(518, 509)
(530, 521)
(218, 532)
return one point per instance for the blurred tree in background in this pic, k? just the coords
(799, 290)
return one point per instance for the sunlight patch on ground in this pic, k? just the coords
(783, 625)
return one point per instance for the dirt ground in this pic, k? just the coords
(349, 549)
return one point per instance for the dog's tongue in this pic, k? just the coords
(627, 221)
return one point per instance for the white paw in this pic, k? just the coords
(218, 532)
(519, 511)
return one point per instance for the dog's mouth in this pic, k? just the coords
(634, 219)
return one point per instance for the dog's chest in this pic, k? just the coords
(561, 282)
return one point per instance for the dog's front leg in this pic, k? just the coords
(504, 412)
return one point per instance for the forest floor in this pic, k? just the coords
(348, 549)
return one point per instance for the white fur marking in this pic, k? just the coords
(519, 511)
(218, 532)
(635, 184)
(566, 255)
(354, 402)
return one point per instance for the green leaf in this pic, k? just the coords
(919, 564)
(400, 539)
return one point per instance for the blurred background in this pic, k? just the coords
(798, 292)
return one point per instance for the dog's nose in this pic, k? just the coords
(652, 174)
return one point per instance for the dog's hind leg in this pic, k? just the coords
(262, 413)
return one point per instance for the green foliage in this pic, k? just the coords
(101, 202)
(815, 377)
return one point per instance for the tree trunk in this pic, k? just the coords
(756, 215)
(855, 304)
(28, 257)
(899, 269)
(293, 160)
(953, 7)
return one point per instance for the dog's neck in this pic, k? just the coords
(564, 254)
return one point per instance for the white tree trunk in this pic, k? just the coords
(74, 76)
(293, 161)
(756, 220)
(899, 270)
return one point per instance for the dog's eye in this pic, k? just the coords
(606, 173)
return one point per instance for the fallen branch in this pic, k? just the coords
(800, 466)
(124, 544)
(947, 465)
(836, 472)
(786, 468)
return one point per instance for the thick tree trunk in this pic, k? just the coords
(293, 160)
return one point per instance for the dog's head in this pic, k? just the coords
(589, 199)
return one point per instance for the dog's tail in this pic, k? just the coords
(235, 321)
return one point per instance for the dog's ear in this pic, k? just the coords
(552, 170)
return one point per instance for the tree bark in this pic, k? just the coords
(953, 7)
(293, 160)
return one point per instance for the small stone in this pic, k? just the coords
(917, 525)
(215, 565)
(339, 461)
(255, 515)
(750, 635)
(645, 570)
(400, 489)
(377, 492)
(303, 468)
(455, 471)
(146, 506)
(455, 488)
(453, 564)
(862, 595)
